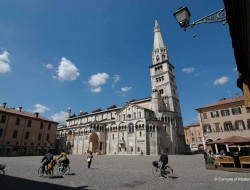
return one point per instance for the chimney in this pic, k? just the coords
(36, 113)
(20, 109)
(4, 104)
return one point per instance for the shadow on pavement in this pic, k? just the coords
(174, 177)
(15, 183)
(71, 174)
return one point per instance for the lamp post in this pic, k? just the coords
(182, 15)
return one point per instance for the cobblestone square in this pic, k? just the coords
(120, 172)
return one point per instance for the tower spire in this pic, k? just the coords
(160, 52)
(163, 75)
(158, 40)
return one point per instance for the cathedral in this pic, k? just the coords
(148, 125)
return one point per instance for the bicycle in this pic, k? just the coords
(48, 170)
(168, 171)
(64, 169)
(2, 172)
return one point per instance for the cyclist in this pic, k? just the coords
(62, 158)
(164, 160)
(48, 157)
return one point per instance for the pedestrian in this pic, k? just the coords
(141, 153)
(89, 158)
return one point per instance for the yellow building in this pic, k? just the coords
(193, 137)
(24, 133)
(224, 118)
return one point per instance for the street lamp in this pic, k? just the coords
(182, 15)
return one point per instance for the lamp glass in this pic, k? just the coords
(182, 15)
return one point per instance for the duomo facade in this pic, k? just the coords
(149, 125)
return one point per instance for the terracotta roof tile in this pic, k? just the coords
(223, 101)
(192, 125)
(23, 113)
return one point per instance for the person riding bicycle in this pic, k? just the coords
(48, 157)
(164, 160)
(63, 158)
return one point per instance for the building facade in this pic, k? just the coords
(23, 133)
(224, 118)
(193, 137)
(149, 125)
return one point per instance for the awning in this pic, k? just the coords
(233, 140)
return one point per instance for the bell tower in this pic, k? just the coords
(162, 73)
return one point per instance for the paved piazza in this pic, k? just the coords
(120, 172)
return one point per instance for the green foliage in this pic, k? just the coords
(210, 160)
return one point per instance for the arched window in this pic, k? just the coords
(131, 128)
(157, 58)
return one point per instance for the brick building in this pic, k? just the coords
(24, 133)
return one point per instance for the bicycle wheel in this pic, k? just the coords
(66, 170)
(168, 173)
(40, 171)
(56, 170)
(2, 173)
(155, 171)
(50, 173)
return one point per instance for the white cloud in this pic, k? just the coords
(4, 62)
(97, 80)
(67, 71)
(39, 108)
(116, 78)
(126, 89)
(221, 81)
(235, 69)
(48, 66)
(60, 117)
(188, 70)
(96, 89)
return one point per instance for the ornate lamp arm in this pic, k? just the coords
(218, 16)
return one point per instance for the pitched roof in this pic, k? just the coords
(97, 110)
(192, 125)
(111, 107)
(20, 112)
(223, 101)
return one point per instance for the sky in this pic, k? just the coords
(94, 54)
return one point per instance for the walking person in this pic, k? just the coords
(89, 158)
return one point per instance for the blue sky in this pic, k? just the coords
(94, 54)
